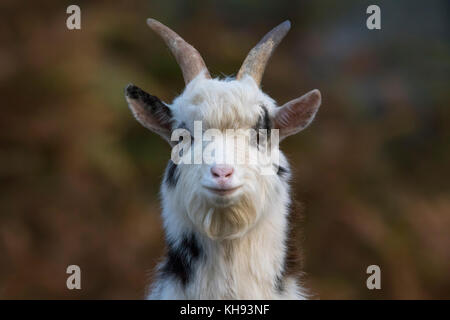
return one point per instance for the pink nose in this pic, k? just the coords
(222, 173)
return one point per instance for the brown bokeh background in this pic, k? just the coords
(79, 177)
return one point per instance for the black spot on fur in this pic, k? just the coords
(282, 172)
(182, 125)
(264, 122)
(190, 244)
(293, 262)
(279, 283)
(151, 104)
(171, 174)
(181, 259)
(267, 122)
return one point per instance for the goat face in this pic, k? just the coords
(222, 180)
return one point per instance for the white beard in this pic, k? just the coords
(219, 221)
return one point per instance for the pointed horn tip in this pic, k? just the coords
(286, 24)
(151, 22)
(155, 25)
(283, 27)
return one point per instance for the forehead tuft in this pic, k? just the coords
(221, 104)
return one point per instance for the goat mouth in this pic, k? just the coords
(222, 191)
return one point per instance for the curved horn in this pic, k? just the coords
(188, 58)
(256, 60)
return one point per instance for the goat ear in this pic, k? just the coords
(297, 114)
(151, 112)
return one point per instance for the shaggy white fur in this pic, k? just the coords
(226, 224)
(242, 241)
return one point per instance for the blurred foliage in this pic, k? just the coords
(80, 178)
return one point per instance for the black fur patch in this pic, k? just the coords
(151, 104)
(181, 259)
(282, 172)
(264, 122)
(267, 122)
(279, 283)
(292, 264)
(182, 125)
(171, 174)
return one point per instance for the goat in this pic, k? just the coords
(226, 225)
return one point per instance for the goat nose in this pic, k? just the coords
(222, 172)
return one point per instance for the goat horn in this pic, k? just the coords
(188, 58)
(256, 60)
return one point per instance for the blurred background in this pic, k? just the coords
(79, 177)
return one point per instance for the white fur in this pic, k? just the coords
(243, 239)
